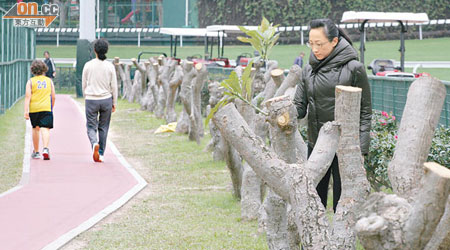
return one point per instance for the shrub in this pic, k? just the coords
(382, 146)
(383, 136)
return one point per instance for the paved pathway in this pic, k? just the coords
(66, 195)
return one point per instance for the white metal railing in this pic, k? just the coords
(300, 29)
(73, 61)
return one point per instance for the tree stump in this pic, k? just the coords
(174, 83)
(185, 96)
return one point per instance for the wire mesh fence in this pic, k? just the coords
(17, 52)
(388, 93)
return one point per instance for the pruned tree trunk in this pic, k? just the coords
(275, 221)
(120, 74)
(183, 122)
(251, 193)
(168, 65)
(128, 82)
(351, 168)
(428, 205)
(234, 164)
(415, 135)
(175, 82)
(216, 144)
(287, 180)
(251, 189)
(277, 77)
(141, 88)
(185, 96)
(136, 89)
(411, 222)
(280, 235)
(153, 88)
(147, 101)
(123, 72)
(196, 130)
(294, 76)
(441, 237)
(390, 222)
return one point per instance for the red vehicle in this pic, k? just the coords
(385, 67)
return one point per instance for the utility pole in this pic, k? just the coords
(85, 51)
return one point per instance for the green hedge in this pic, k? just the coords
(300, 12)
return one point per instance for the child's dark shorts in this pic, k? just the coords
(42, 119)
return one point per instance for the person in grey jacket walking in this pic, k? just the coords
(100, 91)
(333, 61)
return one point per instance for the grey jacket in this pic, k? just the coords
(315, 94)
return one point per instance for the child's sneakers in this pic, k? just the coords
(46, 154)
(101, 158)
(35, 155)
(96, 155)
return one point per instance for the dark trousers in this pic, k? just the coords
(98, 116)
(322, 187)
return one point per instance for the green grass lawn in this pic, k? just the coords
(416, 50)
(12, 136)
(188, 202)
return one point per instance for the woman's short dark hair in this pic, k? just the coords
(101, 48)
(38, 67)
(330, 29)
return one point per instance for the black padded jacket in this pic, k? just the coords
(315, 94)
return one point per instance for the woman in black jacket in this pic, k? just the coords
(333, 61)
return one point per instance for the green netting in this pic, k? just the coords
(17, 52)
(389, 94)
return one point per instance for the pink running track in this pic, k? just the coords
(67, 194)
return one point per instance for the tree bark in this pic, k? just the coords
(143, 70)
(381, 220)
(234, 164)
(168, 65)
(294, 76)
(141, 89)
(441, 237)
(185, 96)
(120, 74)
(251, 189)
(323, 153)
(252, 148)
(428, 205)
(290, 181)
(425, 98)
(129, 83)
(393, 223)
(282, 117)
(216, 145)
(277, 77)
(153, 86)
(177, 78)
(355, 187)
(136, 89)
(196, 130)
(147, 101)
(390, 222)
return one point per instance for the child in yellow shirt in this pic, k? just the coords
(39, 103)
